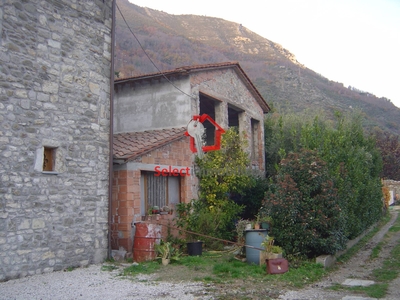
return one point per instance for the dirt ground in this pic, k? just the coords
(360, 266)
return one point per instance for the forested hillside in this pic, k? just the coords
(173, 41)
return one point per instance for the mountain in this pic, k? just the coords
(173, 41)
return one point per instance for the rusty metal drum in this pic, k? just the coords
(146, 236)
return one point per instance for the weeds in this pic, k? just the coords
(142, 268)
(377, 249)
(108, 268)
(374, 291)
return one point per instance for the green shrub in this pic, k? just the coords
(252, 197)
(303, 204)
(353, 161)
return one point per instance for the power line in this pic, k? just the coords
(126, 23)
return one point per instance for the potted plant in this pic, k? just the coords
(187, 220)
(265, 222)
(271, 251)
(155, 210)
(166, 252)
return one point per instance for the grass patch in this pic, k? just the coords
(306, 273)
(396, 226)
(195, 261)
(375, 252)
(108, 268)
(374, 291)
(233, 269)
(143, 268)
(225, 269)
(390, 268)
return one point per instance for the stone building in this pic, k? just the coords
(55, 83)
(394, 190)
(151, 113)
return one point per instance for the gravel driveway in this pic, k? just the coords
(93, 283)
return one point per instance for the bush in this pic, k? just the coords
(353, 162)
(221, 174)
(303, 204)
(217, 222)
(252, 197)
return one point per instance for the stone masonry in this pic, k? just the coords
(55, 63)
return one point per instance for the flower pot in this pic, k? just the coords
(265, 256)
(195, 248)
(165, 261)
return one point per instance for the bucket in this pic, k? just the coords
(195, 248)
(146, 236)
(254, 238)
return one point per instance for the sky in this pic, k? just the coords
(355, 42)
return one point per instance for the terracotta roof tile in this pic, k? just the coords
(131, 145)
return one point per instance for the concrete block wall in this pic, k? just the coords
(55, 70)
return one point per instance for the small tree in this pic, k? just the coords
(304, 207)
(221, 173)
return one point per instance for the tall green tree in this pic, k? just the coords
(221, 173)
(353, 160)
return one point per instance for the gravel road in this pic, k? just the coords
(93, 283)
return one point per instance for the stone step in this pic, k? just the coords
(357, 282)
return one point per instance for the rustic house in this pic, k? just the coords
(55, 93)
(151, 113)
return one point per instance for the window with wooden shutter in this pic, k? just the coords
(49, 159)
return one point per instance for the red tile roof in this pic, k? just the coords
(131, 145)
(187, 69)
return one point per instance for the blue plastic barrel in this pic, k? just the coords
(254, 237)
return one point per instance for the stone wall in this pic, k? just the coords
(394, 188)
(55, 62)
(226, 86)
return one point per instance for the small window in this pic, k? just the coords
(160, 191)
(255, 139)
(49, 155)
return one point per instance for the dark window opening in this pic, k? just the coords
(207, 106)
(233, 117)
(255, 137)
(49, 155)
